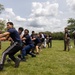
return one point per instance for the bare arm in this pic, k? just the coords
(23, 38)
(4, 38)
(33, 39)
(4, 34)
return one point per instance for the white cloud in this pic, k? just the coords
(9, 11)
(44, 9)
(9, 15)
(18, 18)
(44, 21)
(71, 4)
(44, 16)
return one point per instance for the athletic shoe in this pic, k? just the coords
(17, 62)
(23, 59)
(1, 67)
(33, 55)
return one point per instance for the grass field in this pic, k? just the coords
(51, 61)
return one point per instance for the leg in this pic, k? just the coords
(9, 51)
(74, 42)
(64, 45)
(0, 44)
(68, 45)
(4, 54)
(37, 49)
(26, 49)
(50, 43)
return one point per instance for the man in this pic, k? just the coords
(49, 41)
(14, 48)
(20, 30)
(0, 41)
(37, 42)
(42, 38)
(28, 45)
(74, 38)
(66, 40)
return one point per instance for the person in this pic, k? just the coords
(28, 45)
(33, 40)
(49, 41)
(20, 30)
(45, 40)
(42, 38)
(37, 43)
(74, 38)
(66, 40)
(0, 41)
(14, 48)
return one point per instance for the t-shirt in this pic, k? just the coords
(37, 40)
(28, 39)
(68, 34)
(14, 35)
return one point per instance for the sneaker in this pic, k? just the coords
(17, 62)
(1, 67)
(33, 55)
(23, 59)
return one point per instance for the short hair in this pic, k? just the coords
(66, 28)
(32, 31)
(20, 28)
(26, 30)
(10, 23)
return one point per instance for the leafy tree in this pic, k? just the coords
(71, 25)
(1, 8)
(2, 23)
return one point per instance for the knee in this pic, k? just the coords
(4, 53)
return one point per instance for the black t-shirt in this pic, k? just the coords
(14, 35)
(68, 34)
(28, 39)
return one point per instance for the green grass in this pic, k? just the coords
(51, 61)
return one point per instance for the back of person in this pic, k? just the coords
(14, 35)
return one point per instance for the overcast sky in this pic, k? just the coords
(39, 15)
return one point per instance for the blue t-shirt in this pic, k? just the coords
(28, 39)
(14, 35)
(37, 40)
